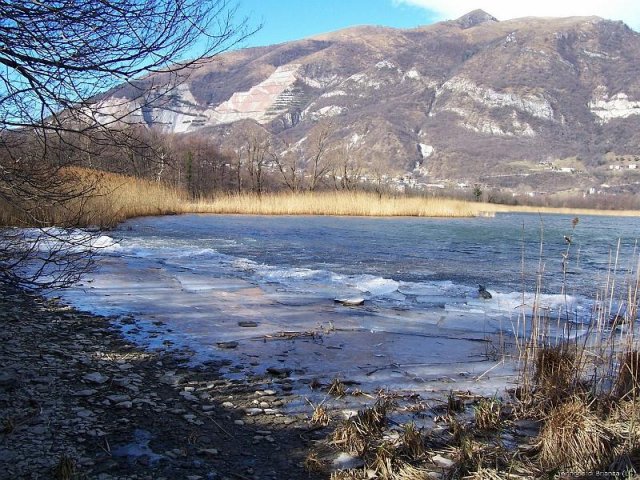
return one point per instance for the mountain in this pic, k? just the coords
(533, 105)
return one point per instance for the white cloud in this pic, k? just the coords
(626, 10)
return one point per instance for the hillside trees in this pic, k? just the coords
(58, 58)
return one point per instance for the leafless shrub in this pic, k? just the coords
(57, 66)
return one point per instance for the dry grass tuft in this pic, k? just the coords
(573, 437)
(488, 414)
(628, 378)
(454, 404)
(412, 442)
(624, 421)
(388, 463)
(406, 471)
(374, 419)
(356, 434)
(337, 388)
(65, 469)
(320, 416)
(349, 437)
(384, 461)
(458, 431)
(313, 463)
(494, 474)
(556, 373)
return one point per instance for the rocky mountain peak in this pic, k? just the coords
(530, 105)
(475, 18)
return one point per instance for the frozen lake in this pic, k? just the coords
(269, 285)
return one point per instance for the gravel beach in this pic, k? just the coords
(79, 401)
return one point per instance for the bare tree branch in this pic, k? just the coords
(59, 60)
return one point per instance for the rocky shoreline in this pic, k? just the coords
(79, 401)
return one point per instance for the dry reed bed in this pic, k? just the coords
(105, 199)
(336, 203)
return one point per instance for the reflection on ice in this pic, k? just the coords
(416, 335)
(266, 287)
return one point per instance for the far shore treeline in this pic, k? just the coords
(150, 173)
(105, 199)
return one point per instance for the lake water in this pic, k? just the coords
(202, 276)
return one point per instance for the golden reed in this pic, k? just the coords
(112, 198)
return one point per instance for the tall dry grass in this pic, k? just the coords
(105, 199)
(581, 379)
(92, 198)
(109, 198)
(339, 203)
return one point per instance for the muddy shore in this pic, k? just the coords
(78, 401)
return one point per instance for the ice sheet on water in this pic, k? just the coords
(375, 286)
(72, 240)
(553, 306)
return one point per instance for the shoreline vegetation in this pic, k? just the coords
(106, 199)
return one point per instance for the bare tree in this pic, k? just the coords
(59, 58)
(317, 161)
(288, 163)
(257, 147)
(346, 169)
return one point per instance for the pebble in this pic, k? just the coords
(96, 377)
(442, 462)
(189, 396)
(121, 381)
(118, 398)
(170, 378)
(7, 379)
(210, 451)
(248, 324)
(85, 393)
(279, 372)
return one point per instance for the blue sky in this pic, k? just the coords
(286, 20)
